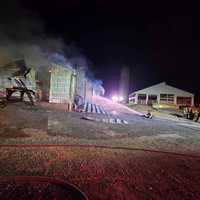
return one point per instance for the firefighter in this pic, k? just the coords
(198, 116)
(186, 113)
(191, 114)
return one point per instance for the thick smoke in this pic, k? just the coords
(39, 53)
(98, 87)
(22, 36)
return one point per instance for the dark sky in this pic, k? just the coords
(158, 41)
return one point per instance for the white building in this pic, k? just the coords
(162, 93)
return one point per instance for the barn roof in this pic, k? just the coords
(163, 88)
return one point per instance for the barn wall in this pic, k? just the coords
(43, 86)
(73, 86)
(81, 82)
(62, 85)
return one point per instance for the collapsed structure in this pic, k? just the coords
(15, 81)
(55, 83)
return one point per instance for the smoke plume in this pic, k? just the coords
(22, 36)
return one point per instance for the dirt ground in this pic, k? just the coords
(109, 174)
(102, 173)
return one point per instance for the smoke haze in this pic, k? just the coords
(22, 36)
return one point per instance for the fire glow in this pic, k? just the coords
(117, 98)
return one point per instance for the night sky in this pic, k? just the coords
(157, 41)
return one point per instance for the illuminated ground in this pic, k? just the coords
(103, 173)
(21, 124)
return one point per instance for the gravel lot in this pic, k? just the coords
(41, 124)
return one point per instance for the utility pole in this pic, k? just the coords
(124, 83)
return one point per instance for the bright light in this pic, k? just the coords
(115, 98)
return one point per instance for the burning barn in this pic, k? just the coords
(55, 84)
(84, 87)
(60, 84)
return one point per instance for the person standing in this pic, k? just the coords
(185, 112)
(198, 116)
(191, 114)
